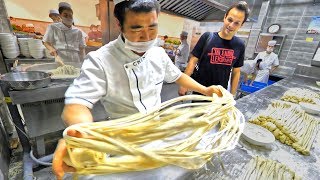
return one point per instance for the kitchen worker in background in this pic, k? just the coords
(269, 63)
(249, 70)
(63, 38)
(220, 53)
(54, 15)
(126, 74)
(182, 52)
(93, 34)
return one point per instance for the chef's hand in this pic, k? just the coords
(53, 52)
(59, 167)
(182, 91)
(213, 89)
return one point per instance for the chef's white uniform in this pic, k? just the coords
(67, 41)
(125, 82)
(182, 59)
(268, 60)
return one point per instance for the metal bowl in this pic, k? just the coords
(26, 80)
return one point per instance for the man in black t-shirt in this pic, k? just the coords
(221, 53)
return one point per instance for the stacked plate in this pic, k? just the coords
(9, 45)
(36, 48)
(24, 48)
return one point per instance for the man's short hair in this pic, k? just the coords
(63, 8)
(137, 6)
(241, 6)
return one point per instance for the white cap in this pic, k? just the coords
(184, 33)
(118, 1)
(64, 4)
(272, 43)
(53, 11)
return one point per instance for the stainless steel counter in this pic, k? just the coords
(42, 109)
(234, 161)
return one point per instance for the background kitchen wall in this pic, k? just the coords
(294, 16)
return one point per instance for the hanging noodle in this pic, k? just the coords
(185, 135)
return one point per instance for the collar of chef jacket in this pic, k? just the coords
(141, 75)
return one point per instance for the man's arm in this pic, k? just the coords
(52, 50)
(189, 70)
(235, 76)
(76, 113)
(191, 65)
(188, 83)
(82, 53)
(272, 69)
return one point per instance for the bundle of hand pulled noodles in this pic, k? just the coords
(297, 95)
(260, 168)
(290, 125)
(185, 135)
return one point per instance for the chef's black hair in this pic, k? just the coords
(62, 8)
(241, 6)
(137, 6)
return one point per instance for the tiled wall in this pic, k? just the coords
(4, 27)
(294, 16)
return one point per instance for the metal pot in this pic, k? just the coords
(26, 80)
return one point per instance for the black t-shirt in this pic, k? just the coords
(219, 58)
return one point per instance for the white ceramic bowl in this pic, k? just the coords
(310, 108)
(257, 135)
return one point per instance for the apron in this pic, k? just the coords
(263, 76)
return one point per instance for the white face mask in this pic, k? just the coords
(67, 21)
(139, 47)
(269, 49)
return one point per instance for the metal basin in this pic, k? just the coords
(49, 67)
(26, 80)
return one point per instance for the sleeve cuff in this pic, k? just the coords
(79, 101)
(175, 79)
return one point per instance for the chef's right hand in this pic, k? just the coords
(59, 167)
(182, 91)
(53, 52)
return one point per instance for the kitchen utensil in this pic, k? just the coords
(26, 80)
(59, 60)
(257, 135)
(310, 108)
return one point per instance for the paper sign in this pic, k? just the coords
(309, 39)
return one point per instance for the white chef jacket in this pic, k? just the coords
(67, 41)
(268, 60)
(184, 51)
(249, 67)
(125, 82)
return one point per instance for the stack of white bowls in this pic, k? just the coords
(9, 45)
(36, 48)
(24, 47)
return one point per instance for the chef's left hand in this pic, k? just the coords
(213, 89)
(59, 167)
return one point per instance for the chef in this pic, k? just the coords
(268, 64)
(54, 15)
(63, 38)
(126, 75)
(182, 52)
